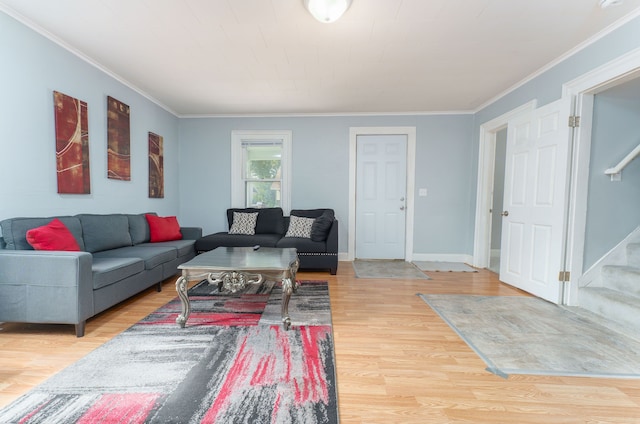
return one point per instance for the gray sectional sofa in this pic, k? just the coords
(116, 260)
(318, 251)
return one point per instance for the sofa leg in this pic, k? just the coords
(80, 328)
(333, 271)
(159, 287)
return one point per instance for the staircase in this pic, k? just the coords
(617, 294)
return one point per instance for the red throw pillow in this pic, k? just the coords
(53, 236)
(163, 228)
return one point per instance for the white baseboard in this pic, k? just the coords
(437, 257)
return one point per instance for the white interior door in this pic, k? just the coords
(536, 181)
(381, 185)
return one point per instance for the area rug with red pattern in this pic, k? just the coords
(233, 363)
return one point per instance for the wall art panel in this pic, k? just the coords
(156, 166)
(118, 140)
(72, 144)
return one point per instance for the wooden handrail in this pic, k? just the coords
(616, 171)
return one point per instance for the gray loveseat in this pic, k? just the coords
(116, 260)
(319, 251)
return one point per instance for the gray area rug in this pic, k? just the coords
(387, 269)
(526, 335)
(438, 266)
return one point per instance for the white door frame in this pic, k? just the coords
(582, 90)
(410, 132)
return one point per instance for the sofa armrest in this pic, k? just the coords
(45, 286)
(191, 233)
(332, 238)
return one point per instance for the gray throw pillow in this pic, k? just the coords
(299, 227)
(244, 223)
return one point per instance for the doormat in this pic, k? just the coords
(387, 269)
(224, 367)
(437, 266)
(527, 335)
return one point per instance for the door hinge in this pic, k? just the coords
(574, 121)
(564, 276)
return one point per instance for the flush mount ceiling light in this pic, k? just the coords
(608, 3)
(327, 11)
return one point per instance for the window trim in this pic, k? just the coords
(238, 196)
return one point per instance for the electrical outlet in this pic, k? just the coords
(422, 192)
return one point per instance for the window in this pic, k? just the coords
(261, 169)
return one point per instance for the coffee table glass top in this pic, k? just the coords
(243, 258)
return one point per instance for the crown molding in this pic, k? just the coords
(596, 37)
(35, 27)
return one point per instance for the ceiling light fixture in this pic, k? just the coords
(327, 11)
(608, 3)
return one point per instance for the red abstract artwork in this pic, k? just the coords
(118, 140)
(156, 166)
(72, 144)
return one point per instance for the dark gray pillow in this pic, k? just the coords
(322, 225)
(104, 232)
(139, 228)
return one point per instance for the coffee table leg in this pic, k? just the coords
(181, 288)
(287, 290)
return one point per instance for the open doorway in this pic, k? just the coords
(497, 199)
(485, 215)
(582, 91)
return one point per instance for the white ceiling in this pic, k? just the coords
(238, 57)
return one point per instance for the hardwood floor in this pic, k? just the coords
(396, 360)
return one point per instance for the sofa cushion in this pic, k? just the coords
(53, 236)
(244, 223)
(183, 247)
(270, 220)
(322, 225)
(299, 227)
(151, 255)
(213, 241)
(303, 245)
(14, 230)
(107, 271)
(139, 228)
(163, 228)
(104, 232)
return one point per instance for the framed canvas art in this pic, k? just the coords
(156, 166)
(72, 144)
(118, 140)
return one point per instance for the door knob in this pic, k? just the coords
(505, 213)
(401, 208)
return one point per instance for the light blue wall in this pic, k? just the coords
(31, 68)
(197, 151)
(613, 207)
(321, 171)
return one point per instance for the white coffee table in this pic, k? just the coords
(234, 268)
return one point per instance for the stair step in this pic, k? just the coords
(618, 307)
(622, 278)
(633, 254)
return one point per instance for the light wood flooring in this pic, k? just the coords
(396, 360)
